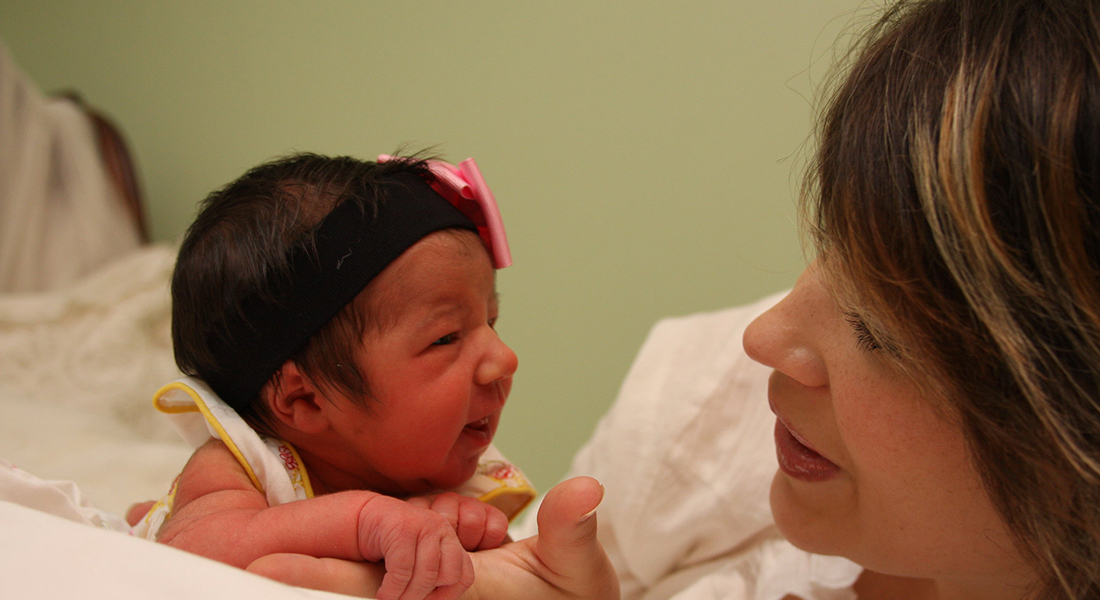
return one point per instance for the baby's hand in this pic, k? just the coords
(479, 526)
(423, 555)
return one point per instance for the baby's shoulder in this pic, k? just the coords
(214, 453)
(212, 468)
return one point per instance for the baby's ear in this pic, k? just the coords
(294, 401)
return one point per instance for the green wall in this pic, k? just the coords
(645, 155)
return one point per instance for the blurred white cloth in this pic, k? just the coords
(60, 214)
(78, 369)
(686, 456)
(59, 498)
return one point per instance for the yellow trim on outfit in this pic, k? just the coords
(200, 406)
(492, 498)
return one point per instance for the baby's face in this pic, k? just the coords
(437, 372)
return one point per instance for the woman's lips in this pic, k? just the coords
(798, 460)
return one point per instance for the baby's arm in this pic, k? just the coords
(564, 562)
(219, 514)
(480, 526)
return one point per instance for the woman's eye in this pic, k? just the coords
(865, 340)
(493, 322)
(443, 341)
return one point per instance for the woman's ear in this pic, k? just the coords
(294, 401)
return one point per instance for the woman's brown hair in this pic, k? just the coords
(955, 200)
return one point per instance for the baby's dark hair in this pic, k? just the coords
(240, 246)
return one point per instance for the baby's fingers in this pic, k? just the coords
(451, 592)
(400, 568)
(436, 561)
(465, 569)
(454, 564)
(481, 526)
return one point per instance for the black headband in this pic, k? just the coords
(351, 246)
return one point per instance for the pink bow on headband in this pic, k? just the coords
(465, 188)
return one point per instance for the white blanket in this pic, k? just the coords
(78, 370)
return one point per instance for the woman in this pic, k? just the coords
(942, 354)
(936, 370)
(936, 382)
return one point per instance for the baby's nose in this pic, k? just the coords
(498, 363)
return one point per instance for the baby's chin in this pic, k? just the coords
(454, 479)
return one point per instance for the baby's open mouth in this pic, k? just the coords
(480, 425)
(480, 432)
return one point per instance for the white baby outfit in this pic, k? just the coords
(274, 466)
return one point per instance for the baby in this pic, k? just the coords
(337, 320)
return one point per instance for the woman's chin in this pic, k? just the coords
(801, 519)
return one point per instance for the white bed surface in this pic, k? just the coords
(58, 558)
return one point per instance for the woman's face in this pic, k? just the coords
(868, 469)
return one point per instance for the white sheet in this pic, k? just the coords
(78, 370)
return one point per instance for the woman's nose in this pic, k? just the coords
(499, 362)
(783, 338)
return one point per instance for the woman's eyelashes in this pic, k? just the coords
(865, 340)
(869, 342)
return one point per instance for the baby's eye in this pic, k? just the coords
(445, 340)
(493, 322)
